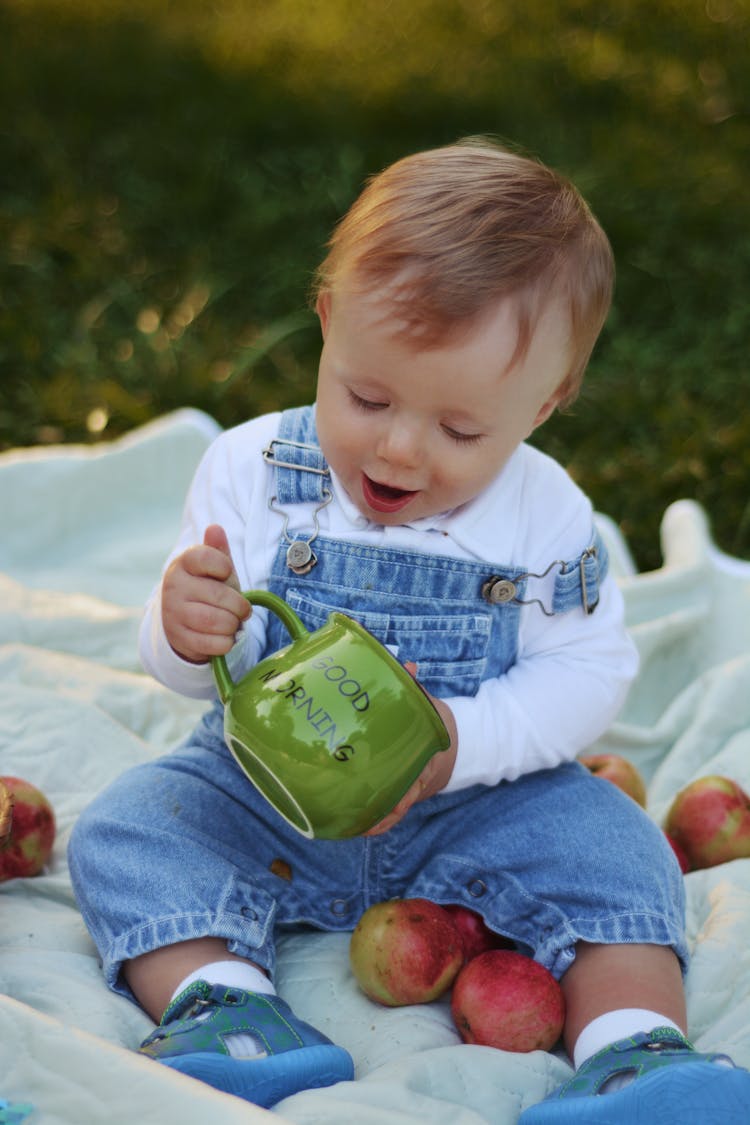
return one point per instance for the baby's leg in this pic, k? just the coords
(162, 860)
(579, 876)
(226, 1026)
(625, 1031)
(589, 883)
(557, 861)
(608, 978)
(180, 880)
(154, 978)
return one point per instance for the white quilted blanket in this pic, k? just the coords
(84, 532)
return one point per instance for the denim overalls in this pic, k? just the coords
(185, 846)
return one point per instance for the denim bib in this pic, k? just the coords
(456, 619)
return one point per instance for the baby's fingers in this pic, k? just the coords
(215, 538)
(415, 793)
(201, 615)
(203, 561)
(211, 619)
(204, 632)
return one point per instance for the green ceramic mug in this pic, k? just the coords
(331, 728)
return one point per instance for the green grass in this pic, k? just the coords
(169, 173)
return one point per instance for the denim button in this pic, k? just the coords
(248, 912)
(299, 554)
(498, 591)
(339, 907)
(476, 888)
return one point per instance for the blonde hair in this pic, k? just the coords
(453, 230)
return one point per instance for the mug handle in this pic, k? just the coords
(285, 614)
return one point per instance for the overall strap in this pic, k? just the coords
(575, 585)
(578, 581)
(302, 474)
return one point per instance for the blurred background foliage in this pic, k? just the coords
(170, 171)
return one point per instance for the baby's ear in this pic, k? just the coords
(323, 309)
(548, 408)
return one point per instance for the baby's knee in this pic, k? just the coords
(105, 828)
(88, 842)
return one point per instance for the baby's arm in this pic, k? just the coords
(561, 695)
(572, 670)
(569, 683)
(201, 604)
(194, 611)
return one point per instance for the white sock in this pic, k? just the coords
(620, 1024)
(234, 974)
(607, 1029)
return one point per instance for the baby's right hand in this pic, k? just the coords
(201, 603)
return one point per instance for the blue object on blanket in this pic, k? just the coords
(13, 1114)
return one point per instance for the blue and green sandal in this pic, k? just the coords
(672, 1085)
(197, 1026)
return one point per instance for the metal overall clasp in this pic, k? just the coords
(500, 590)
(300, 557)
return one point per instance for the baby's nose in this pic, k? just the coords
(401, 445)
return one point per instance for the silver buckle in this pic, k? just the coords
(589, 553)
(268, 456)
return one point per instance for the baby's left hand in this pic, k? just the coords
(434, 777)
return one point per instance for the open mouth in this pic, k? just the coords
(384, 498)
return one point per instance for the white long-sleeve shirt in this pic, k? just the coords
(573, 670)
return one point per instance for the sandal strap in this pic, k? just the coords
(639, 1054)
(204, 1016)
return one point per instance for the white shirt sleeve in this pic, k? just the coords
(230, 488)
(562, 693)
(573, 670)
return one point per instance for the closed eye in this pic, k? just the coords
(460, 438)
(365, 403)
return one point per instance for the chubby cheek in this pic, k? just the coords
(450, 487)
(343, 450)
(461, 478)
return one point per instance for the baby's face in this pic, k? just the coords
(413, 432)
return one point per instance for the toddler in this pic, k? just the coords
(459, 302)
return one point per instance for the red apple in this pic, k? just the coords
(619, 771)
(32, 831)
(405, 951)
(679, 851)
(6, 813)
(476, 935)
(710, 819)
(505, 1000)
